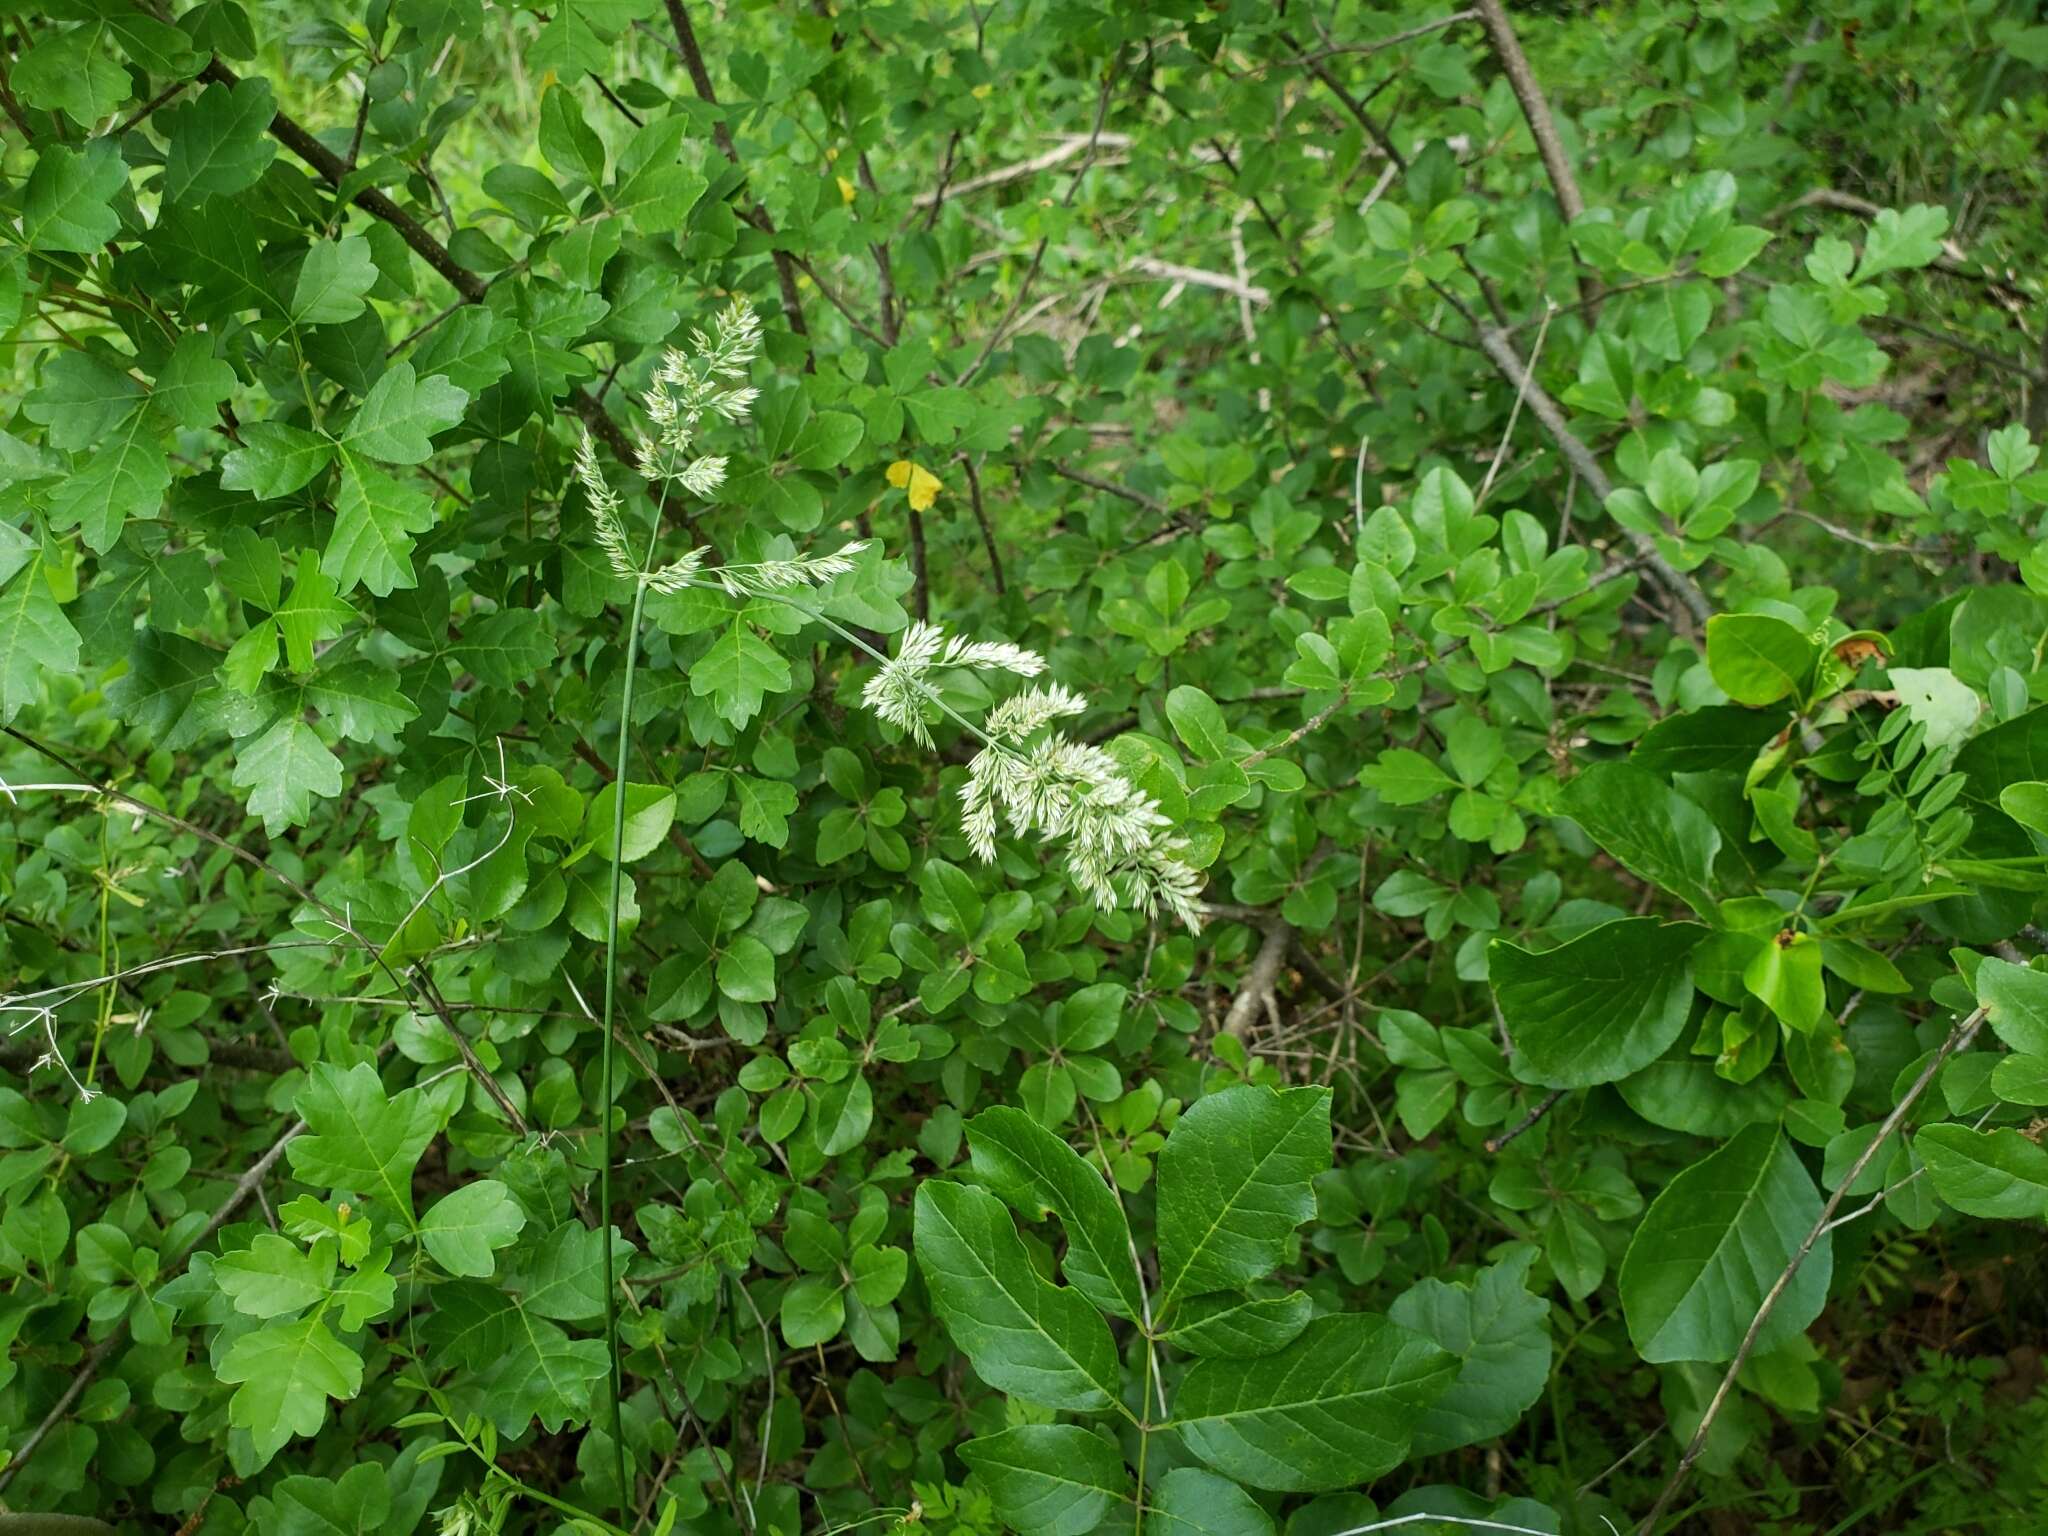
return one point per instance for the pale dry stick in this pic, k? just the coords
(1958, 1040)
(1378, 44)
(1259, 980)
(1468, 1522)
(1069, 146)
(1515, 413)
(244, 1187)
(1241, 287)
(1244, 304)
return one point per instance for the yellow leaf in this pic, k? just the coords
(920, 484)
(845, 189)
(981, 92)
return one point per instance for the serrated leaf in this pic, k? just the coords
(1496, 1330)
(359, 1139)
(1234, 1180)
(398, 418)
(375, 519)
(1022, 1335)
(1334, 1409)
(1038, 1173)
(35, 638)
(286, 1374)
(1052, 1479)
(220, 141)
(67, 203)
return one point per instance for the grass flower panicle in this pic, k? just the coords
(1121, 849)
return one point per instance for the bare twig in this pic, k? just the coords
(1527, 1122)
(1256, 992)
(988, 536)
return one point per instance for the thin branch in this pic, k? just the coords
(988, 536)
(995, 337)
(1501, 353)
(1136, 498)
(1494, 1143)
(1958, 1039)
(1256, 991)
(1379, 44)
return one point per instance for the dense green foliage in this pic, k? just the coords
(1545, 534)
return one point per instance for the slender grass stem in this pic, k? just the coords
(611, 989)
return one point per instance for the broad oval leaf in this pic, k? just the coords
(1599, 1008)
(1651, 828)
(1998, 1174)
(1191, 1502)
(1714, 1244)
(1333, 1409)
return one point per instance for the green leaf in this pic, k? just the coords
(1712, 1246)
(1757, 659)
(464, 1229)
(1334, 1409)
(1036, 1172)
(1237, 1328)
(310, 614)
(398, 418)
(375, 518)
(746, 971)
(1406, 777)
(274, 459)
(286, 1373)
(220, 141)
(2015, 999)
(74, 72)
(1050, 1479)
(1198, 722)
(1022, 1335)
(1234, 1181)
(35, 640)
(813, 1311)
(1191, 1502)
(1600, 1007)
(359, 1140)
(66, 205)
(650, 812)
(1996, 1174)
(1786, 975)
(332, 282)
(1496, 1330)
(1653, 830)
(738, 671)
(274, 1276)
(125, 477)
(1900, 240)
